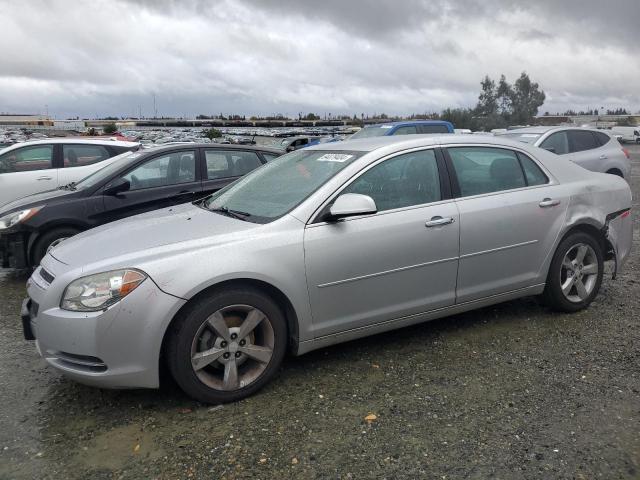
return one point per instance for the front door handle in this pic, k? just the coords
(549, 202)
(602, 157)
(439, 221)
(44, 178)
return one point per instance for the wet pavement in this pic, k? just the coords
(510, 391)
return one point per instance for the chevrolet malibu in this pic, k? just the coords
(320, 246)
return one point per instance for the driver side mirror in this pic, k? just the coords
(351, 204)
(117, 186)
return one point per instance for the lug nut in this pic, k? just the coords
(226, 355)
(234, 336)
(242, 343)
(223, 344)
(238, 354)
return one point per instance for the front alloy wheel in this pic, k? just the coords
(227, 346)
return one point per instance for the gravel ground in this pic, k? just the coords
(511, 391)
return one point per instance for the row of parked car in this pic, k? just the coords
(243, 253)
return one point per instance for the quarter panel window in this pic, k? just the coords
(27, 159)
(433, 129)
(402, 181)
(171, 169)
(581, 140)
(557, 143)
(602, 138)
(532, 172)
(81, 155)
(484, 170)
(227, 163)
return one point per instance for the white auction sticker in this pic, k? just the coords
(386, 126)
(334, 157)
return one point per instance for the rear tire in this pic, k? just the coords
(227, 346)
(49, 240)
(575, 273)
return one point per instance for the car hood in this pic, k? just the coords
(43, 198)
(150, 234)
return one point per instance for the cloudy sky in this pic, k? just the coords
(99, 57)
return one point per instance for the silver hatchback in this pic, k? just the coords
(321, 246)
(595, 150)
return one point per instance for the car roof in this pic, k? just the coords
(69, 141)
(209, 146)
(401, 142)
(542, 130)
(410, 122)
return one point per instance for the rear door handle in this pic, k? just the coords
(439, 221)
(44, 178)
(602, 157)
(549, 202)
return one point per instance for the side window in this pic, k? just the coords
(485, 170)
(407, 130)
(602, 138)
(27, 159)
(269, 156)
(408, 179)
(229, 163)
(557, 143)
(81, 155)
(582, 140)
(532, 172)
(433, 129)
(171, 169)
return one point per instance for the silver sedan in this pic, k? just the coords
(321, 246)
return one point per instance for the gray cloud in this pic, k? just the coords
(289, 56)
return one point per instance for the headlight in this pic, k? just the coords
(99, 291)
(10, 220)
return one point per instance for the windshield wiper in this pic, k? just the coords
(231, 213)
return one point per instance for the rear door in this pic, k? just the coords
(25, 171)
(511, 213)
(221, 167)
(80, 160)
(162, 181)
(585, 150)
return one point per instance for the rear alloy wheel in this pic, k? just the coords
(575, 274)
(227, 346)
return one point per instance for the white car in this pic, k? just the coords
(592, 149)
(33, 167)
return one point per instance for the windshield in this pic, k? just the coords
(373, 131)
(104, 173)
(522, 137)
(273, 190)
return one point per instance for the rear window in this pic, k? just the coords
(373, 131)
(522, 137)
(433, 129)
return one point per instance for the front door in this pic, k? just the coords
(400, 261)
(162, 181)
(510, 216)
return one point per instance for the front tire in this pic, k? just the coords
(575, 274)
(49, 240)
(227, 346)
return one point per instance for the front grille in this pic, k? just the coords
(46, 276)
(80, 362)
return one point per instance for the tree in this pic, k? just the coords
(526, 99)
(212, 133)
(504, 97)
(109, 128)
(487, 104)
(460, 117)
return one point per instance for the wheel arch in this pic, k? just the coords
(44, 229)
(599, 233)
(274, 292)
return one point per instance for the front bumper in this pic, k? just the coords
(115, 348)
(13, 251)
